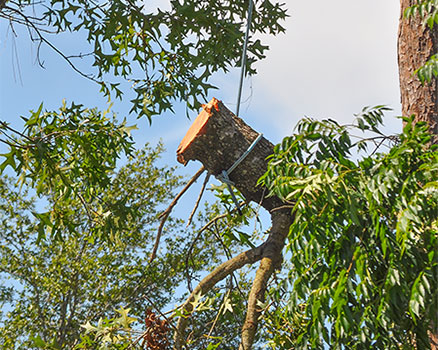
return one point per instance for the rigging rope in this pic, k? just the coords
(243, 60)
(224, 176)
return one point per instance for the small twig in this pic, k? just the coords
(53, 47)
(228, 255)
(192, 214)
(189, 252)
(5, 125)
(165, 214)
(205, 227)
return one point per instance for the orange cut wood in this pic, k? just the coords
(197, 128)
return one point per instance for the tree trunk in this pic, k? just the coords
(416, 44)
(217, 138)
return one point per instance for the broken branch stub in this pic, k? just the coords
(217, 138)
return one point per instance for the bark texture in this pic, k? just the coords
(217, 138)
(271, 261)
(416, 44)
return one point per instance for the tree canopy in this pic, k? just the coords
(80, 207)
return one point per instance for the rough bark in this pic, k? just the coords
(416, 44)
(217, 138)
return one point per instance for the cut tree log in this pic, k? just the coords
(217, 138)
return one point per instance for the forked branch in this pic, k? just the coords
(217, 275)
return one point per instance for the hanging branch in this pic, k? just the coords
(165, 214)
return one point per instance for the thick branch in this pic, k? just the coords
(272, 257)
(217, 275)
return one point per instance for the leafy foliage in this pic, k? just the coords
(165, 55)
(69, 156)
(52, 287)
(426, 9)
(364, 242)
(429, 71)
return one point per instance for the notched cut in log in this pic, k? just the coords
(217, 138)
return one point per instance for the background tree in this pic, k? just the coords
(52, 288)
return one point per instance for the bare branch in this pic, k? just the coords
(189, 221)
(53, 47)
(165, 214)
(192, 245)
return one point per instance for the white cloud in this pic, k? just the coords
(335, 58)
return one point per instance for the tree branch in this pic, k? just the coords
(165, 214)
(48, 43)
(192, 214)
(272, 258)
(217, 275)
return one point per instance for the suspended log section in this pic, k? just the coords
(217, 138)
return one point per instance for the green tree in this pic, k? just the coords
(69, 156)
(364, 241)
(53, 288)
(364, 238)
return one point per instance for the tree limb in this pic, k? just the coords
(165, 214)
(272, 257)
(270, 254)
(217, 275)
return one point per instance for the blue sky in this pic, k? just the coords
(335, 58)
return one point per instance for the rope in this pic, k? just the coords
(224, 177)
(243, 60)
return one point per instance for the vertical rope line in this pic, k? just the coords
(243, 61)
